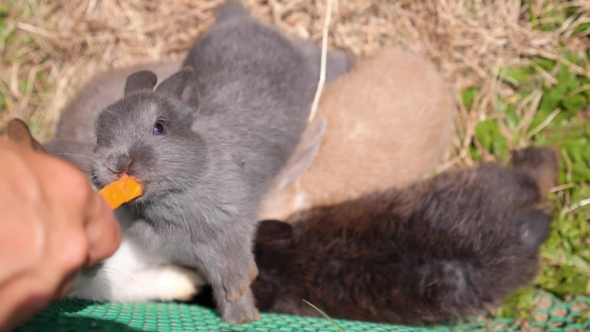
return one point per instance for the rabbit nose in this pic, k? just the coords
(122, 174)
(119, 165)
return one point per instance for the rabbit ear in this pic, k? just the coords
(182, 85)
(18, 132)
(304, 154)
(541, 165)
(338, 62)
(141, 80)
(231, 9)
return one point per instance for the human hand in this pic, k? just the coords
(52, 224)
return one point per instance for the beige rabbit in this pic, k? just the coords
(386, 123)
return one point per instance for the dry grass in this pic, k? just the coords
(50, 48)
(69, 40)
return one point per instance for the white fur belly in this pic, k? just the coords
(132, 276)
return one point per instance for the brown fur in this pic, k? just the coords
(388, 124)
(18, 131)
(447, 247)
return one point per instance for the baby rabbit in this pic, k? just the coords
(444, 248)
(129, 275)
(74, 138)
(206, 145)
(386, 123)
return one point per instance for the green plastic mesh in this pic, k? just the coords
(69, 316)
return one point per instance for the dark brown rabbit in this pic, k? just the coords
(451, 246)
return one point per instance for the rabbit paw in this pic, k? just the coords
(244, 286)
(241, 311)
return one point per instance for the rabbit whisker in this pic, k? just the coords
(194, 201)
(71, 154)
(181, 213)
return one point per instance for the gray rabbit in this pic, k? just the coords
(206, 144)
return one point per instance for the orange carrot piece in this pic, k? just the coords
(121, 191)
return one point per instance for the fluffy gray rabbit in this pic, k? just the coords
(130, 275)
(206, 144)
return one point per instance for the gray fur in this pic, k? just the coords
(337, 61)
(233, 116)
(76, 122)
(75, 152)
(74, 139)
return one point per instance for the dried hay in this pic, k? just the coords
(468, 40)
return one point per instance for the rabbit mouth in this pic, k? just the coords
(150, 190)
(102, 176)
(156, 189)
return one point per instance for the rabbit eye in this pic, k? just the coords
(159, 128)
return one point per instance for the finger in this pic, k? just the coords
(22, 237)
(22, 232)
(82, 208)
(66, 285)
(102, 229)
(67, 193)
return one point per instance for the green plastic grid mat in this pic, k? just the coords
(70, 316)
